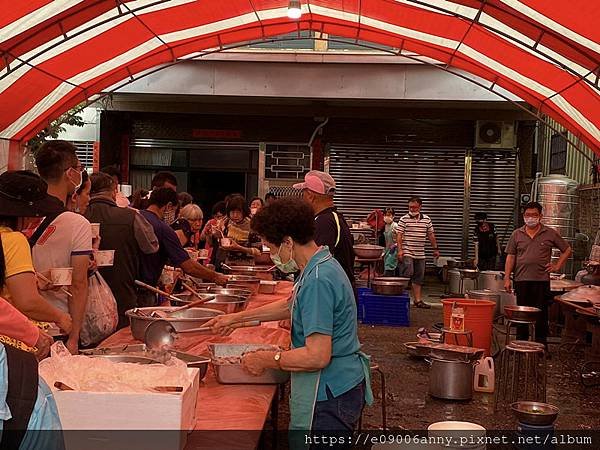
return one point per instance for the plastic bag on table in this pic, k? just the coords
(83, 373)
(101, 316)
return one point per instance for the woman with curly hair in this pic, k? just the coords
(330, 376)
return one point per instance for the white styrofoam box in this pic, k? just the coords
(100, 414)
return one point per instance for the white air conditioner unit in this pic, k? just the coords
(494, 134)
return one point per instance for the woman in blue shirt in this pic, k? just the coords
(330, 375)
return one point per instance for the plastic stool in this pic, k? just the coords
(375, 368)
(514, 323)
(523, 365)
(468, 334)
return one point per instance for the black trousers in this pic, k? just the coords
(536, 294)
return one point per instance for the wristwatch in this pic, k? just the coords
(277, 358)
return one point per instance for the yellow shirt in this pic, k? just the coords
(17, 256)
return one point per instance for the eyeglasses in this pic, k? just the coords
(79, 168)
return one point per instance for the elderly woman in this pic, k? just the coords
(330, 376)
(80, 199)
(240, 245)
(188, 226)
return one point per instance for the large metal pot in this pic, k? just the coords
(451, 380)
(389, 285)
(492, 280)
(454, 283)
(139, 318)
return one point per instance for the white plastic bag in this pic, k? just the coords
(101, 316)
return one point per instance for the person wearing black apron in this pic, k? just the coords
(330, 375)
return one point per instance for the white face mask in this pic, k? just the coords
(77, 185)
(388, 219)
(413, 214)
(253, 211)
(532, 222)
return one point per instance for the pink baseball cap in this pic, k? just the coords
(319, 182)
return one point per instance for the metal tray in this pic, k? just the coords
(234, 373)
(139, 350)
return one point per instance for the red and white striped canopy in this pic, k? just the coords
(58, 53)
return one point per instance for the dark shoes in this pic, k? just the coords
(421, 304)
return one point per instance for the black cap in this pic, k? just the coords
(25, 194)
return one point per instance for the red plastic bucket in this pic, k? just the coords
(479, 317)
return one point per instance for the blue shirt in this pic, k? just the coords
(170, 248)
(325, 304)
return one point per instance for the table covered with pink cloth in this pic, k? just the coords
(228, 407)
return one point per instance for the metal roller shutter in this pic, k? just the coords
(494, 180)
(369, 177)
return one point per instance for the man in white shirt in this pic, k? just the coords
(66, 239)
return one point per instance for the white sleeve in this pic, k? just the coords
(81, 237)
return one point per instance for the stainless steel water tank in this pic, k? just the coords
(558, 196)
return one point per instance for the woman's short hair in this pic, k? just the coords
(238, 203)
(290, 216)
(191, 212)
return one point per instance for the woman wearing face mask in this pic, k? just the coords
(255, 205)
(391, 248)
(330, 376)
(238, 245)
(487, 247)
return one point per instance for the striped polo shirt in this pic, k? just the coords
(414, 232)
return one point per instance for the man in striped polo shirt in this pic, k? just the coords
(414, 229)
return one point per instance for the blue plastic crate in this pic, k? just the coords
(361, 292)
(387, 310)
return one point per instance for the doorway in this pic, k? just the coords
(208, 187)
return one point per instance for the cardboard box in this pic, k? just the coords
(114, 420)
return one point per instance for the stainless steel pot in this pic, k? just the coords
(451, 380)
(389, 285)
(492, 280)
(454, 283)
(368, 251)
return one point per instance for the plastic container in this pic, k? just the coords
(387, 310)
(479, 316)
(484, 380)
(463, 435)
(61, 276)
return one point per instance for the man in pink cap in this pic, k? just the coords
(331, 228)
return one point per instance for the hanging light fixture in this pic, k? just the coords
(294, 9)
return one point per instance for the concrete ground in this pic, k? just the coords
(410, 407)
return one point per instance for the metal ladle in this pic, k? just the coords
(161, 335)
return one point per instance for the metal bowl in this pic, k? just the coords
(127, 359)
(389, 285)
(535, 413)
(228, 303)
(261, 272)
(526, 313)
(188, 297)
(182, 320)
(368, 251)
(251, 284)
(231, 291)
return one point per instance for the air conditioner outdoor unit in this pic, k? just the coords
(494, 134)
